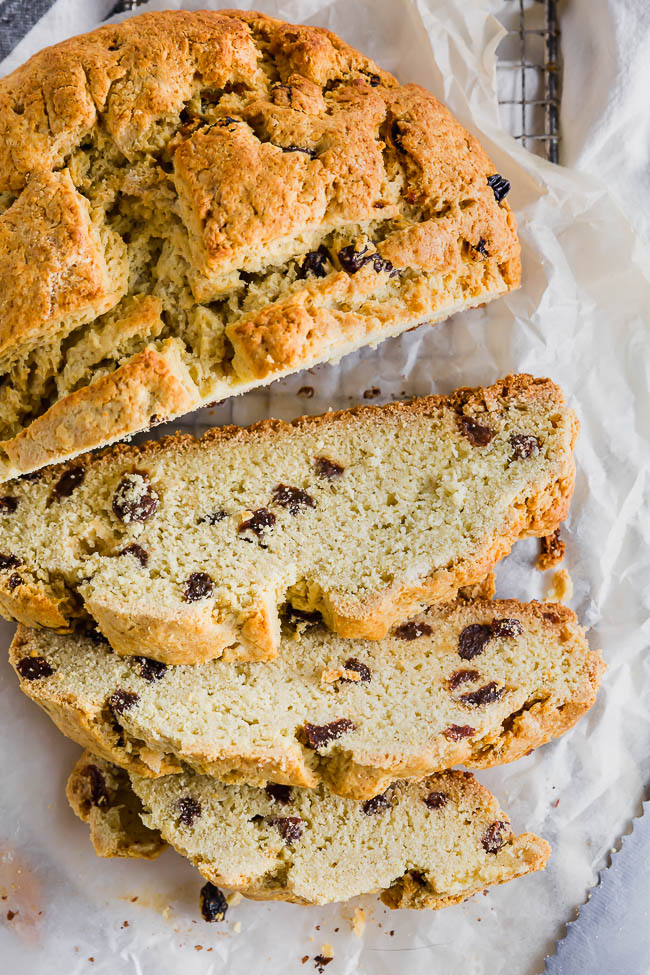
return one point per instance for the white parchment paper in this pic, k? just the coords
(581, 318)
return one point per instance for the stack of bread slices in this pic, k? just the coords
(275, 644)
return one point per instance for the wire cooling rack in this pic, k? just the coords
(529, 72)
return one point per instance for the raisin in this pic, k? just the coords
(378, 804)
(374, 80)
(227, 121)
(495, 836)
(372, 393)
(499, 185)
(278, 793)
(507, 627)
(121, 701)
(487, 694)
(413, 630)
(480, 248)
(150, 670)
(260, 520)
(352, 260)
(478, 435)
(189, 810)
(308, 152)
(290, 828)
(304, 616)
(455, 732)
(396, 136)
(436, 800)
(306, 391)
(8, 504)
(292, 498)
(314, 263)
(137, 551)
(461, 677)
(10, 561)
(214, 905)
(199, 585)
(551, 552)
(14, 581)
(359, 668)
(213, 518)
(328, 468)
(321, 961)
(319, 735)
(524, 445)
(97, 786)
(33, 668)
(472, 640)
(68, 481)
(134, 498)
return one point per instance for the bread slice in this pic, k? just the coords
(473, 683)
(224, 199)
(183, 548)
(427, 845)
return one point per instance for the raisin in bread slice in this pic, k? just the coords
(479, 684)
(183, 548)
(225, 199)
(427, 845)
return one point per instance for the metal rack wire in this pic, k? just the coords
(529, 72)
(530, 75)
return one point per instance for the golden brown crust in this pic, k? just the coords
(326, 141)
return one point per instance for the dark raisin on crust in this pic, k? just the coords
(396, 135)
(189, 810)
(495, 836)
(551, 550)
(308, 152)
(150, 670)
(226, 122)
(97, 786)
(68, 481)
(363, 670)
(436, 800)
(461, 677)
(213, 518)
(214, 905)
(328, 468)
(455, 732)
(499, 185)
(319, 735)
(507, 627)
(33, 668)
(374, 80)
(199, 585)
(480, 247)
(352, 260)
(412, 630)
(472, 640)
(314, 263)
(524, 445)
(292, 498)
(14, 581)
(278, 793)
(10, 561)
(487, 694)
(137, 551)
(133, 501)
(303, 618)
(290, 828)
(121, 701)
(378, 804)
(477, 434)
(259, 521)
(8, 503)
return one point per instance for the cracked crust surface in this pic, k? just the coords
(415, 703)
(283, 199)
(423, 846)
(366, 515)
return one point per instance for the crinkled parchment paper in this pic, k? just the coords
(579, 318)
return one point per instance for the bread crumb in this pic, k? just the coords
(237, 927)
(358, 921)
(234, 899)
(327, 951)
(551, 551)
(561, 587)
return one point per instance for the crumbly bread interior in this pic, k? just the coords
(194, 203)
(183, 548)
(425, 845)
(477, 683)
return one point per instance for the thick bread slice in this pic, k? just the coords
(427, 845)
(478, 684)
(183, 548)
(282, 198)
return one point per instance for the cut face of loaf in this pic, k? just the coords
(223, 199)
(184, 548)
(477, 684)
(427, 845)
